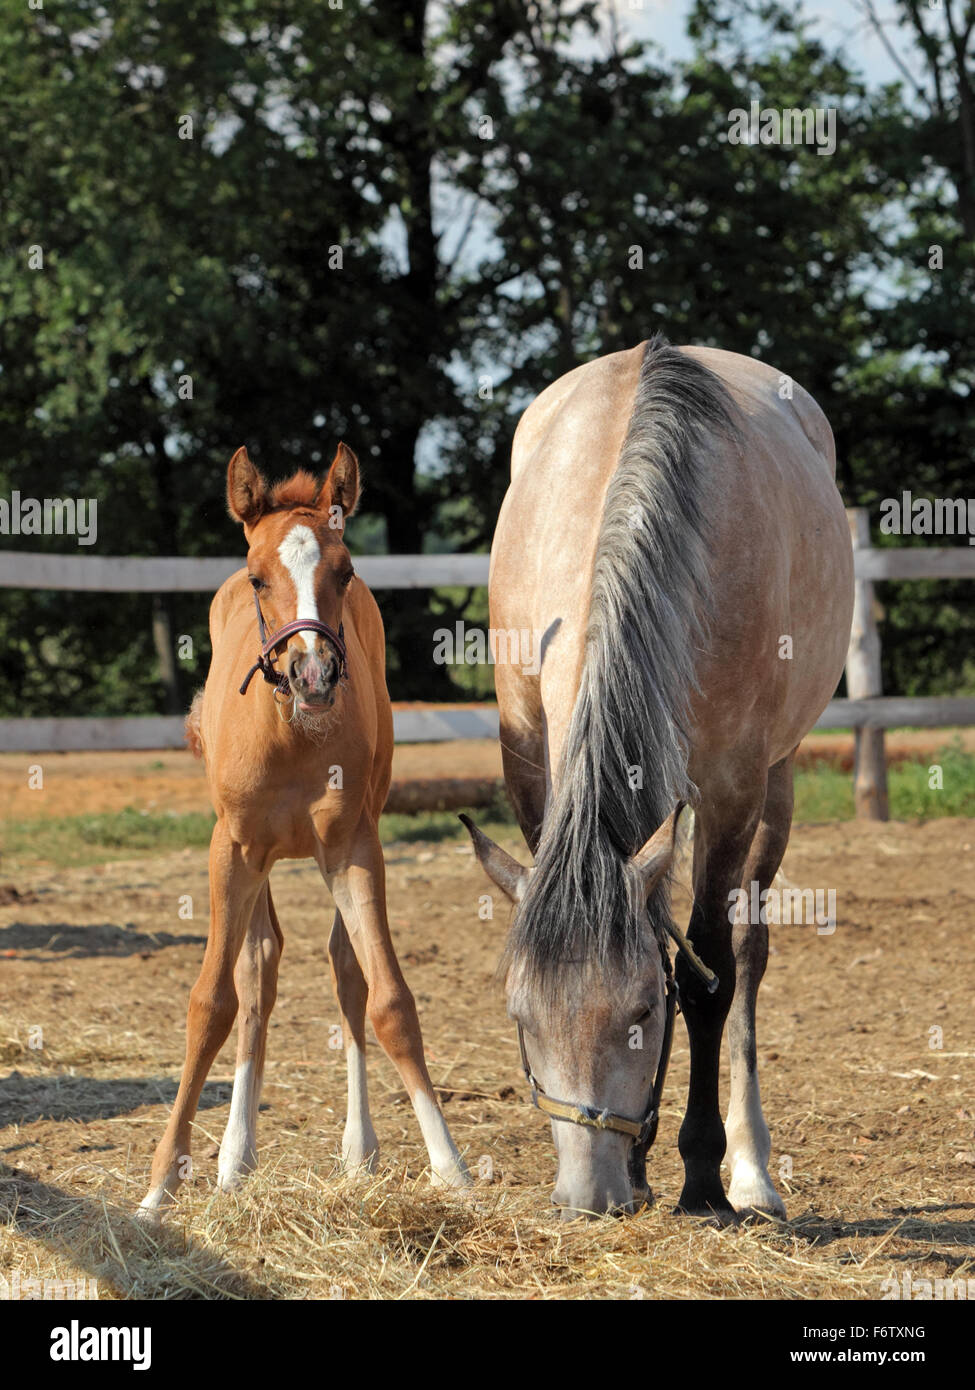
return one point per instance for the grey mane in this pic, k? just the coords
(648, 619)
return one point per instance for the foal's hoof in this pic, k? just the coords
(359, 1165)
(233, 1170)
(149, 1217)
(360, 1151)
(456, 1177)
(232, 1179)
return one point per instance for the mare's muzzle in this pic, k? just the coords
(641, 1130)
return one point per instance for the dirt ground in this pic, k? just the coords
(866, 1056)
(172, 780)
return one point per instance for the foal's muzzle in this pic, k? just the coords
(313, 675)
(269, 649)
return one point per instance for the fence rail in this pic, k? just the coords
(129, 574)
(166, 731)
(867, 710)
(108, 734)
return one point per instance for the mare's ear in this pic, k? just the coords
(654, 860)
(247, 494)
(510, 876)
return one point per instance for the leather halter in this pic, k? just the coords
(643, 1131)
(265, 662)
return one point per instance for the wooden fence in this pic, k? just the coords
(867, 710)
(127, 574)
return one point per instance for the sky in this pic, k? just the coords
(837, 23)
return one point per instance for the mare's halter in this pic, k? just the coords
(643, 1131)
(265, 662)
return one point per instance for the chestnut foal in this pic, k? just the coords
(297, 771)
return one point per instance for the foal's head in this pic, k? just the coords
(297, 562)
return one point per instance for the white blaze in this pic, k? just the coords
(299, 552)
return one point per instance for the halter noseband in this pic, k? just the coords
(643, 1131)
(265, 662)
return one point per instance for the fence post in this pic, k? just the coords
(863, 682)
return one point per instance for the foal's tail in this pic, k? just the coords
(192, 726)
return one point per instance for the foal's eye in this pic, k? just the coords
(256, 583)
(348, 578)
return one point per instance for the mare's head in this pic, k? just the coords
(592, 1030)
(297, 562)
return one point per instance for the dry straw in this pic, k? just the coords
(298, 1234)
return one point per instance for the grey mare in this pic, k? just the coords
(673, 536)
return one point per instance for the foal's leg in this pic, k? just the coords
(749, 1144)
(256, 980)
(359, 890)
(213, 1007)
(360, 1147)
(722, 836)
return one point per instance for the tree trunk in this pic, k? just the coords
(406, 614)
(162, 606)
(162, 640)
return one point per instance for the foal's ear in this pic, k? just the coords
(510, 876)
(246, 489)
(655, 859)
(342, 484)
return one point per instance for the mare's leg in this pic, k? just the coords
(749, 1144)
(360, 1147)
(522, 746)
(523, 759)
(234, 888)
(723, 830)
(256, 980)
(359, 890)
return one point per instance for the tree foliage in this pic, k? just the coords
(285, 224)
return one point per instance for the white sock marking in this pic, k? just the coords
(239, 1147)
(748, 1148)
(445, 1160)
(359, 1140)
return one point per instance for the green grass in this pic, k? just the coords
(93, 839)
(822, 794)
(825, 793)
(495, 820)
